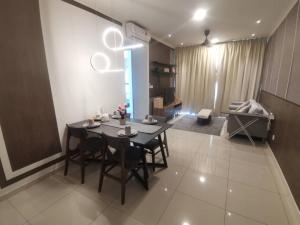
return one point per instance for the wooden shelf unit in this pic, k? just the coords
(169, 110)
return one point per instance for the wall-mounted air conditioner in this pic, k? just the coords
(135, 32)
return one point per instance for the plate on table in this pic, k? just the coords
(94, 125)
(102, 120)
(121, 133)
(99, 119)
(116, 117)
(145, 121)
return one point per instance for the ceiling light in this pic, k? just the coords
(200, 14)
(202, 179)
(258, 21)
(215, 40)
(253, 35)
(181, 43)
(229, 213)
(169, 35)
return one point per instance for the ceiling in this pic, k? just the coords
(227, 19)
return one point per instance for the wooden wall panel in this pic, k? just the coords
(284, 100)
(287, 53)
(294, 83)
(277, 56)
(286, 144)
(281, 72)
(271, 46)
(27, 114)
(266, 67)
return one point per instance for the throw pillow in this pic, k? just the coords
(256, 108)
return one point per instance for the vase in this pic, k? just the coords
(122, 121)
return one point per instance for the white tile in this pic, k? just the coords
(112, 216)
(282, 185)
(148, 206)
(180, 159)
(216, 141)
(74, 209)
(234, 219)
(211, 189)
(249, 157)
(74, 172)
(39, 196)
(209, 165)
(9, 216)
(219, 152)
(252, 174)
(169, 177)
(256, 203)
(248, 147)
(291, 209)
(184, 143)
(184, 210)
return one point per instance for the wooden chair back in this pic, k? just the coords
(116, 148)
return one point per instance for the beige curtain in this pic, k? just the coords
(235, 67)
(195, 78)
(239, 71)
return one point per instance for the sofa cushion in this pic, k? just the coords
(256, 108)
(233, 107)
(243, 105)
(244, 109)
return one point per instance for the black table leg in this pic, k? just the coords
(145, 168)
(162, 151)
(166, 143)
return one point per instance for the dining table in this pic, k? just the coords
(141, 139)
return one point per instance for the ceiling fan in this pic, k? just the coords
(206, 42)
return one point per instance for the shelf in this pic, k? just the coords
(162, 73)
(163, 64)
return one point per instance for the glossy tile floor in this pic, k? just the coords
(210, 181)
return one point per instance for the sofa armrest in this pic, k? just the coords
(245, 114)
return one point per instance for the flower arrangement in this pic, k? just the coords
(122, 109)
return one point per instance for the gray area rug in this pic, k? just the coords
(189, 123)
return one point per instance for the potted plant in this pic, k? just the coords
(123, 112)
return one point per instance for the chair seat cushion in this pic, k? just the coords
(133, 157)
(152, 145)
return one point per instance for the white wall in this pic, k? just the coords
(140, 81)
(71, 36)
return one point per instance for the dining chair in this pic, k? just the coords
(154, 147)
(88, 149)
(119, 152)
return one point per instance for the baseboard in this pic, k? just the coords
(17, 186)
(286, 195)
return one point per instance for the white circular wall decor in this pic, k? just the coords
(115, 31)
(103, 57)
